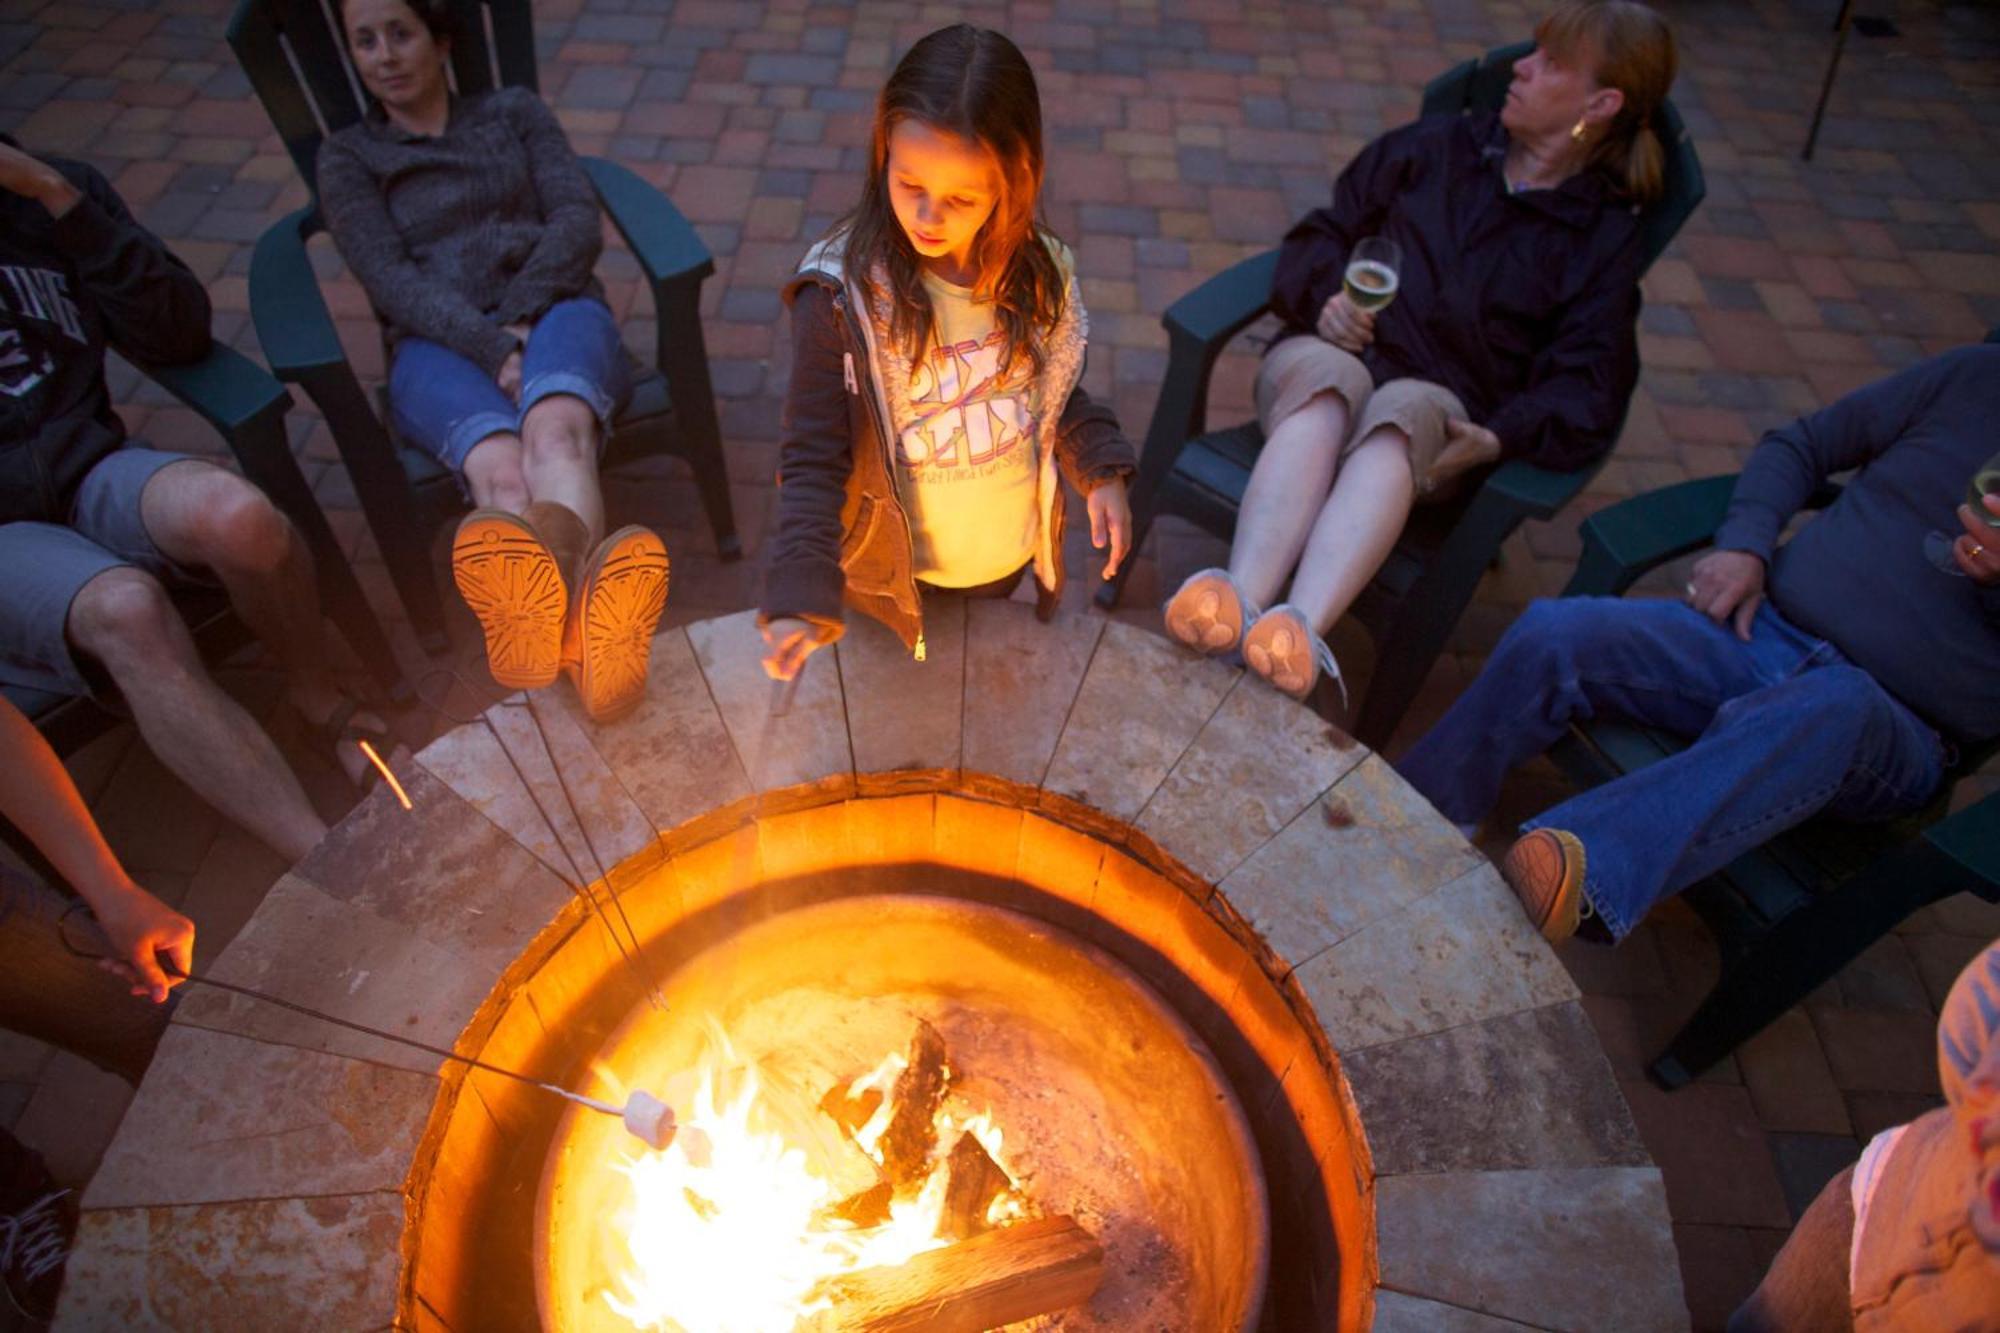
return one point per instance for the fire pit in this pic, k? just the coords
(1129, 903)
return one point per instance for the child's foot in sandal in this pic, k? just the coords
(1208, 612)
(623, 593)
(515, 587)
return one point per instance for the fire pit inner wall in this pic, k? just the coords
(811, 866)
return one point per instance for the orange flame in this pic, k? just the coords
(747, 1243)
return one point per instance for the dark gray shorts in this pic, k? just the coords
(43, 566)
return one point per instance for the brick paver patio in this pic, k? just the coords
(1182, 137)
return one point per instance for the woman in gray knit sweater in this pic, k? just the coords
(474, 231)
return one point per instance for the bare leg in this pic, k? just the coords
(1286, 488)
(124, 619)
(493, 474)
(559, 459)
(199, 514)
(1356, 529)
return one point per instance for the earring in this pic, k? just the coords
(1578, 130)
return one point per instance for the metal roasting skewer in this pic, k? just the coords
(645, 1116)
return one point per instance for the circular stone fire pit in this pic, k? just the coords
(1432, 1119)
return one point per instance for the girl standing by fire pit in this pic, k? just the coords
(474, 230)
(938, 342)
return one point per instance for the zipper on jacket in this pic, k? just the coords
(875, 410)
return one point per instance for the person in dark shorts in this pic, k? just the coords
(93, 527)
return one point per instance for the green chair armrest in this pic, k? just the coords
(293, 325)
(1972, 838)
(664, 242)
(1223, 306)
(226, 388)
(1627, 539)
(1537, 491)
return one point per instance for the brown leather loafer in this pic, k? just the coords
(1545, 870)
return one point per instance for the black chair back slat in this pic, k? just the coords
(472, 66)
(256, 38)
(507, 30)
(310, 28)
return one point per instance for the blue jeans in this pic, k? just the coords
(1786, 727)
(444, 404)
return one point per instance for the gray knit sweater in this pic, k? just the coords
(454, 237)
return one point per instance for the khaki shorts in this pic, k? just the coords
(1300, 368)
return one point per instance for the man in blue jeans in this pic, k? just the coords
(1835, 671)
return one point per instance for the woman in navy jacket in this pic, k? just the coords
(1511, 333)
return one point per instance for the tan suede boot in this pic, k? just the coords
(564, 532)
(516, 588)
(620, 598)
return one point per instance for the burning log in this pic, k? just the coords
(911, 1137)
(855, 1177)
(1004, 1276)
(973, 1181)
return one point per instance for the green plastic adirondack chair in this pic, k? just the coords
(1412, 604)
(1791, 914)
(297, 62)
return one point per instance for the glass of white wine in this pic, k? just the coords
(1984, 482)
(1372, 270)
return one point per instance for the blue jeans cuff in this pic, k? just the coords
(576, 386)
(469, 431)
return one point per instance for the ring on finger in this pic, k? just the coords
(1690, 592)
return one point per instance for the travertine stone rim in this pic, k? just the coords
(1376, 921)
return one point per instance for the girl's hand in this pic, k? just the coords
(1110, 521)
(788, 642)
(1345, 327)
(509, 377)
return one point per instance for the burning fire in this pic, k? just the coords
(746, 1239)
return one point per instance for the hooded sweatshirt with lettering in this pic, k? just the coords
(69, 288)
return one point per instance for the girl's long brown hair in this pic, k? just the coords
(975, 84)
(1629, 47)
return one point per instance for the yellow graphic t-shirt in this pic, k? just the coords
(965, 447)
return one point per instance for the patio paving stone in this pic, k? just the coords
(1365, 849)
(1460, 953)
(1014, 670)
(1142, 701)
(229, 1117)
(1504, 1243)
(1253, 767)
(211, 1265)
(1523, 1090)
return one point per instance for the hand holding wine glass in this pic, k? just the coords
(1348, 318)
